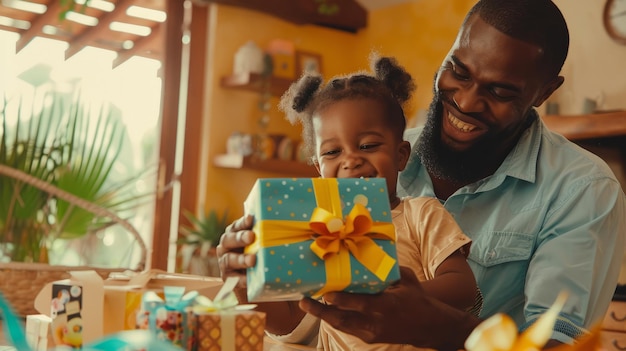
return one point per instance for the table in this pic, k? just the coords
(268, 345)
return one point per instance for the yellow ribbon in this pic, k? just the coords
(334, 239)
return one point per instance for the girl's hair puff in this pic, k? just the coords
(390, 84)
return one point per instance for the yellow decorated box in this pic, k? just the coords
(230, 330)
(315, 235)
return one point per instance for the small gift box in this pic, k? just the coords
(170, 318)
(222, 324)
(75, 307)
(123, 294)
(317, 235)
(37, 330)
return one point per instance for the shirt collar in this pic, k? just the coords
(521, 162)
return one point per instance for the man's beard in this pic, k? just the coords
(442, 162)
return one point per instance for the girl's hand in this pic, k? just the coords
(232, 260)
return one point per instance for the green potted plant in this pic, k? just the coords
(199, 239)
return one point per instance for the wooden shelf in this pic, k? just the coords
(288, 168)
(345, 15)
(580, 127)
(254, 82)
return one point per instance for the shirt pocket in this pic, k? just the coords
(490, 249)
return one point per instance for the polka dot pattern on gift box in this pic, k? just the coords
(294, 198)
(295, 270)
(291, 270)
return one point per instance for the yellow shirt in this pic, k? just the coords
(426, 235)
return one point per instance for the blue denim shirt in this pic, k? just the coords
(551, 218)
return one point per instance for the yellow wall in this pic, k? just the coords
(419, 34)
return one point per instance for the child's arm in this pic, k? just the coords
(442, 240)
(453, 283)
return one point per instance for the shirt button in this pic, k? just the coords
(491, 254)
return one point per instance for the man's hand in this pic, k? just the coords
(401, 314)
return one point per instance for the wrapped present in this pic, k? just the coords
(37, 330)
(222, 324)
(317, 235)
(70, 303)
(170, 318)
(14, 333)
(123, 293)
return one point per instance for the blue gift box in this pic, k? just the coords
(315, 235)
(170, 319)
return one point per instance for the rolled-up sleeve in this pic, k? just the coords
(580, 250)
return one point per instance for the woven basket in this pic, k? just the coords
(21, 282)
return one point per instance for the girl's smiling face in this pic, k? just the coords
(353, 139)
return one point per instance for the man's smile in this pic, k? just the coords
(460, 125)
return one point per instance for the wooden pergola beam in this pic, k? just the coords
(81, 40)
(37, 25)
(139, 45)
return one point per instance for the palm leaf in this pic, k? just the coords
(95, 150)
(72, 146)
(26, 147)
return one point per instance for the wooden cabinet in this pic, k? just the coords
(614, 327)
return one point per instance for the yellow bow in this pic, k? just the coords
(332, 231)
(355, 235)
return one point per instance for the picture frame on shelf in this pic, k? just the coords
(283, 65)
(307, 61)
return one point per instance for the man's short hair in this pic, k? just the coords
(539, 22)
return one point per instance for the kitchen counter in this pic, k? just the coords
(591, 126)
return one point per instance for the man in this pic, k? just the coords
(544, 215)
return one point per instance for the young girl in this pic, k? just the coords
(353, 127)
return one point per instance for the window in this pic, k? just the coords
(132, 90)
(120, 54)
